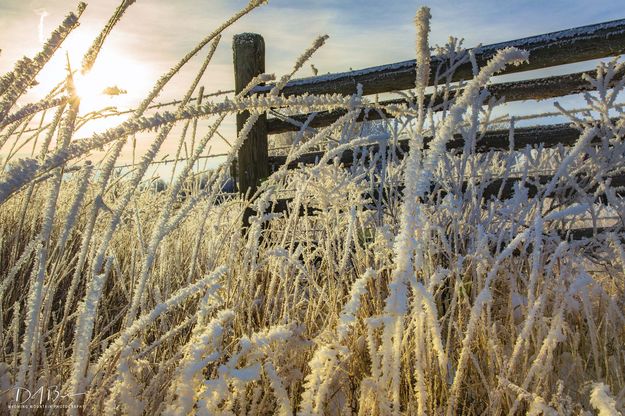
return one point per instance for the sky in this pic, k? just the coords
(154, 34)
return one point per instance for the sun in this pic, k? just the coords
(117, 79)
(104, 86)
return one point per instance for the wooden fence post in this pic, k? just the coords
(252, 163)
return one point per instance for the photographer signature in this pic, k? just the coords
(50, 394)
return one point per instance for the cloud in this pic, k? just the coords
(42, 13)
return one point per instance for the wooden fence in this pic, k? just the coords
(564, 47)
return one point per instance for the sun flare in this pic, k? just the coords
(116, 80)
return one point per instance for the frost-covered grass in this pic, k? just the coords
(130, 300)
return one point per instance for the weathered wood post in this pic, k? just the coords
(252, 163)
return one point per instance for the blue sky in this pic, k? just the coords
(154, 34)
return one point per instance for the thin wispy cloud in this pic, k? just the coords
(42, 13)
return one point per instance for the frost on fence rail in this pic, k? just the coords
(550, 49)
(547, 135)
(533, 89)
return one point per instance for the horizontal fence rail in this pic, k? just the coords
(534, 89)
(495, 188)
(547, 50)
(548, 136)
